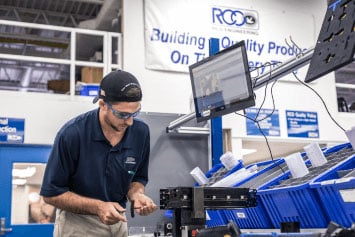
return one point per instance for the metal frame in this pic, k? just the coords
(107, 64)
(216, 131)
(273, 74)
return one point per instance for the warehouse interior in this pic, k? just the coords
(89, 14)
(60, 48)
(97, 15)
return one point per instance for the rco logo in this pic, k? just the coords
(234, 17)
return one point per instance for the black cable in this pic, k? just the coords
(262, 103)
(265, 137)
(261, 131)
(272, 96)
(255, 120)
(261, 66)
(273, 103)
(320, 97)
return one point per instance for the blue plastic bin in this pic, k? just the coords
(249, 218)
(337, 194)
(218, 172)
(89, 90)
(331, 150)
(216, 218)
(290, 200)
(292, 204)
(255, 217)
(275, 234)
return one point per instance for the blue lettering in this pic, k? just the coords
(176, 37)
(284, 50)
(227, 42)
(175, 56)
(230, 17)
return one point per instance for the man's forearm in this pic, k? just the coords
(135, 189)
(75, 203)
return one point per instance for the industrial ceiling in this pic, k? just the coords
(101, 15)
(71, 13)
(91, 14)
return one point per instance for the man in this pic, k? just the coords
(98, 161)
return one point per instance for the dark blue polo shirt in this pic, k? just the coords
(83, 161)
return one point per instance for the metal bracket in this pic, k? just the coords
(175, 126)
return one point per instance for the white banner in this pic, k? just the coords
(177, 33)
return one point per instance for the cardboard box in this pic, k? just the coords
(91, 74)
(59, 86)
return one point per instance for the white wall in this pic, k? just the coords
(162, 91)
(43, 114)
(169, 92)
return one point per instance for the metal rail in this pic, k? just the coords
(285, 68)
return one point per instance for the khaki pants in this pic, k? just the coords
(75, 225)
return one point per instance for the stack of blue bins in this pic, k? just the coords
(251, 217)
(257, 217)
(276, 234)
(288, 199)
(336, 188)
(218, 172)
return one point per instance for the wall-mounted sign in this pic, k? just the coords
(268, 121)
(12, 130)
(302, 124)
(177, 33)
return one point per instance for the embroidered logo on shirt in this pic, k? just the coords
(130, 160)
(130, 164)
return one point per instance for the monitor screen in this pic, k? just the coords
(221, 83)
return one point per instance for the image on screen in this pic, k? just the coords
(221, 83)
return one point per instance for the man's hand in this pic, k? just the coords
(108, 212)
(143, 204)
(111, 212)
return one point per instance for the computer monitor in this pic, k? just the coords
(221, 83)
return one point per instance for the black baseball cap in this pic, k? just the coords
(119, 86)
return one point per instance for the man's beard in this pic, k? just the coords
(118, 128)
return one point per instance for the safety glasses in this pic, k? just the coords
(123, 115)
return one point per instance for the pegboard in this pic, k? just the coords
(335, 46)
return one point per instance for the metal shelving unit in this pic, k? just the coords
(37, 53)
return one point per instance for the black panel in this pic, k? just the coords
(336, 41)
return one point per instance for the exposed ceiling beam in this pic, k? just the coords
(35, 40)
(91, 1)
(32, 52)
(19, 10)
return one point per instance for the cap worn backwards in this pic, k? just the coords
(119, 86)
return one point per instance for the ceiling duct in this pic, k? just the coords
(26, 77)
(108, 13)
(104, 21)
